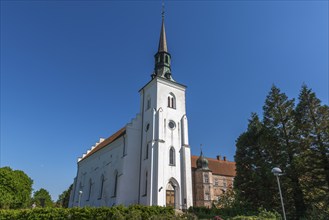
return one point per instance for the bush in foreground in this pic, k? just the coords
(87, 213)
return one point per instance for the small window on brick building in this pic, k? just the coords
(224, 182)
(206, 178)
(216, 181)
(207, 196)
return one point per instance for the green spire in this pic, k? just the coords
(162, 57)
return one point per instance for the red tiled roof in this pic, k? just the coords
(107, 141)
(219, 167)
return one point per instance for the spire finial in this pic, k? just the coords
(201, 149)
(163, 9)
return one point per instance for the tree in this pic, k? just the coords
(42, 198)
(296, 139)
(254, 180)
(312, 125)
(279, 120)
(64, 198)
(15, 188)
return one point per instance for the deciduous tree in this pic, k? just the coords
(64, 198)
(15, 188)
(42, 198)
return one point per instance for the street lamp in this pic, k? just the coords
(80, 194)
(278, 172)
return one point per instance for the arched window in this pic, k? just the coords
(172, 156)
(167, 59)
(102, 186)
(171, 101)
(115, 184)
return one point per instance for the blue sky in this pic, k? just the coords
(71, 71)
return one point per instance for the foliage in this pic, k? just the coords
(15, 188)
(312, 121)
(115, 213)
(296, 139)
(64, 198)
(42, 198)
(233, 213)
(227, 199)
(254, 180)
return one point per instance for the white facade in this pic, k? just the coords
(149, 160)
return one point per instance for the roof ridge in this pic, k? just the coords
(104, 143)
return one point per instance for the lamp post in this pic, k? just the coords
(278, 172)
(80, 194)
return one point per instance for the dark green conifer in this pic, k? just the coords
(279, 121)
(312, 126)
(254, 180)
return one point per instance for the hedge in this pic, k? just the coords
(234, 214)
(87, 213)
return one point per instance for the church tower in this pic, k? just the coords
(165, 156)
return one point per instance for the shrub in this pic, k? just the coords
(134, 212)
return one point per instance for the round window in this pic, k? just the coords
(172, 124)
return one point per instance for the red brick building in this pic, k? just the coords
(210, 179)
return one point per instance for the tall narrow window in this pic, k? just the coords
(124, 152)
(102, 186)
(115, 184)
(167, 59)
(90, 187)
(172, 156)
(145, 190)
(169, 104)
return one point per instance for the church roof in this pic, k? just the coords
(106, 142)
(219, 167)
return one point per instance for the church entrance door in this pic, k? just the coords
(170, 198)
(170, 195)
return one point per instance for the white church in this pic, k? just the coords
(148, 161)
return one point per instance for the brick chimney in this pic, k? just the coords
(218, 157)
